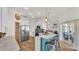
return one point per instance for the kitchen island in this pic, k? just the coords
(41, 40)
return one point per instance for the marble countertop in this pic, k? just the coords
(47, 36)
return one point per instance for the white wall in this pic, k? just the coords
(77, 39)
(8, 21)
(0, 19)
(32, 27)
(60, 32)
(24, 21)
(4, 19)
(70, 14)
(11, 22)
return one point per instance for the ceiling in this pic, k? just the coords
(55, 14)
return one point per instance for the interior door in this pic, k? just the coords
(68, 32)
(71, 32)
(65, 30)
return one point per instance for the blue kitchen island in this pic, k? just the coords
(42, 43)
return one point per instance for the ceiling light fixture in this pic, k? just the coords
(30, 13)
(48, 23)
(38, 13)
(26, 8)
(46, 18)
(32, 16)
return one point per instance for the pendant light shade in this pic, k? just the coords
(46, 19)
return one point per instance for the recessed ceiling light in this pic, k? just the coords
(48, 23)
(32, 16)
(30, 13)
(26, 8)
(38, 13)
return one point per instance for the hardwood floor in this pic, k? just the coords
(30, 45)
(66, 47)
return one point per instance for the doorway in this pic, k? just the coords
(67, 32)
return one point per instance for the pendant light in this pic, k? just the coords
(46, 18)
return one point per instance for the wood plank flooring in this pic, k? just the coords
(27, 45)
(30, 46)
(66, 47)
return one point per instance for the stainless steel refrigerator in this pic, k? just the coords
(24, 29)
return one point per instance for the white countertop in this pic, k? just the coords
(47, 36)
(8, 44)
